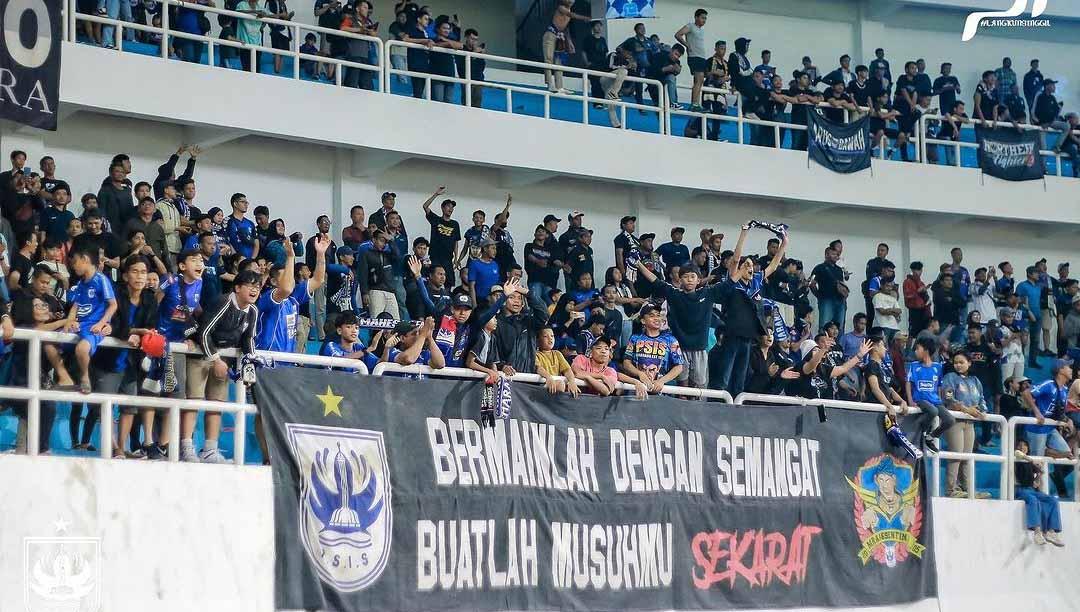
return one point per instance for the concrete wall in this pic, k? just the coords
(197, 537)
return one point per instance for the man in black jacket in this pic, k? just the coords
(229, 324)
(115, 199)
(167, 172)
(595, 49)
(516, 333)
(1046, 113)
(376, 276)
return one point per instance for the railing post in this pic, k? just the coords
(467, 97)
(70, 27)
(296, 52)
(210, 53)
(741, 122)
(547, 106)
(969, 469)
(239, 429)
(921, 136)
(776, 137)
(165, 30)
(254, 60)
(935, 476)
(105, 423)
(119, 36)
(33, 405)
(174, 433)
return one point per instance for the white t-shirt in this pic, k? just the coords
(695, 40)
(884, 300)
(1011, 352)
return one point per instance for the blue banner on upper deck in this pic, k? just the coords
(390, 495)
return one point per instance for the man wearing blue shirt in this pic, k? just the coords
(653, 356)
(93, 303)
(484, 272)
(280, 305)
(1030, 293)
(852, 340)
(1048, 400)
(923, 380)
(347, 344)
(241, 230)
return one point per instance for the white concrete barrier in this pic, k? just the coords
(198, 537)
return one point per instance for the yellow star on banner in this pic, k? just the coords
(331, 402)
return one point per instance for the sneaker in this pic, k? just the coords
(675, 106)
(931, 444)
(157, 453)
(1054, 537)
(187, 454)
(102, 12)
(1037, 537)
(212, 455)
(597, 105)
(564, 91)
(958, 493)
(616, 125)
(696, 108)
(138, 453)
(982, 495)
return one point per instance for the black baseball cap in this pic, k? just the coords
(678, 230)
(649, 308)
(388, 194)
(648, 236)
(550, 218)
(627, 218)
(461, 300)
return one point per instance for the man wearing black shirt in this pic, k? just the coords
(625, 241)
(674, 253)
(540, 265)
(445, 233)
(802, 99)
(841, 74)
(96, 239)
(839, 101)
(950, 129)
(879, 61)
(567, 241)
(922, 80)
(827, 283)
(389, 199)
(1046, 113)
(823, 365)
(862, 89)
(1033, 83)
(595, 49)
(580, 256)
(740, 70)
(665, 67)
(947, 87)
(988, 107)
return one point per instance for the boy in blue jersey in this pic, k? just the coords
(281, 303)
(923, 380)
(93, 303)
(347, 344)
(178, 308)
(653, 356)
(1047, 400)
(420, 349)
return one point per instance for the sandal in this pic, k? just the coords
(84, 387)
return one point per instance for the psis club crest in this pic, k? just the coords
(888, 511)
(346, 519)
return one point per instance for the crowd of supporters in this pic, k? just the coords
(143, 261)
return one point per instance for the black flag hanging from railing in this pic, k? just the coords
(30, 62)
(1011, 155)
(843, 148)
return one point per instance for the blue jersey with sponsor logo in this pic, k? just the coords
(1051, 399)
(335, 348)
(91, 298)
(654, 355)
(278, 320)
(925, 380)
(177, 308)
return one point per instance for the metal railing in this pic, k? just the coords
(509, 89)
(295, 29)
(1004, 459)
(957, 145)
(536, 379)
(33, 394)
(1045, 461)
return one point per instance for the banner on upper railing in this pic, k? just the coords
(30, 62)
(843, 148)
(1011, 155)
(390, 495)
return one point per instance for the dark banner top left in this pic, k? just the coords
(30, 62)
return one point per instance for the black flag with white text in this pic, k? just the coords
(30, 62)
(843, 148)
(1010, 155)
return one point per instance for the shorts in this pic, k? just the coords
(91, 338)
(698, 65)
(202, 384)
(280, 41)
(122, 383)
(1047, 320)
(695, 369)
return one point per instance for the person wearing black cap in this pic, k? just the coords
(580, 256)
(445, 233)
(518, 326)
(803, 99)
(540, 263)
(674, 254)
(740, 70)
(567, 241)
(1033, 83)
(624, 242)
(645, 254)
(880, 381)
(1046, 113)
(388, 199)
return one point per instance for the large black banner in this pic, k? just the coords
(839, 147)
(1011, 155)
(389, 496)
(30, 62)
